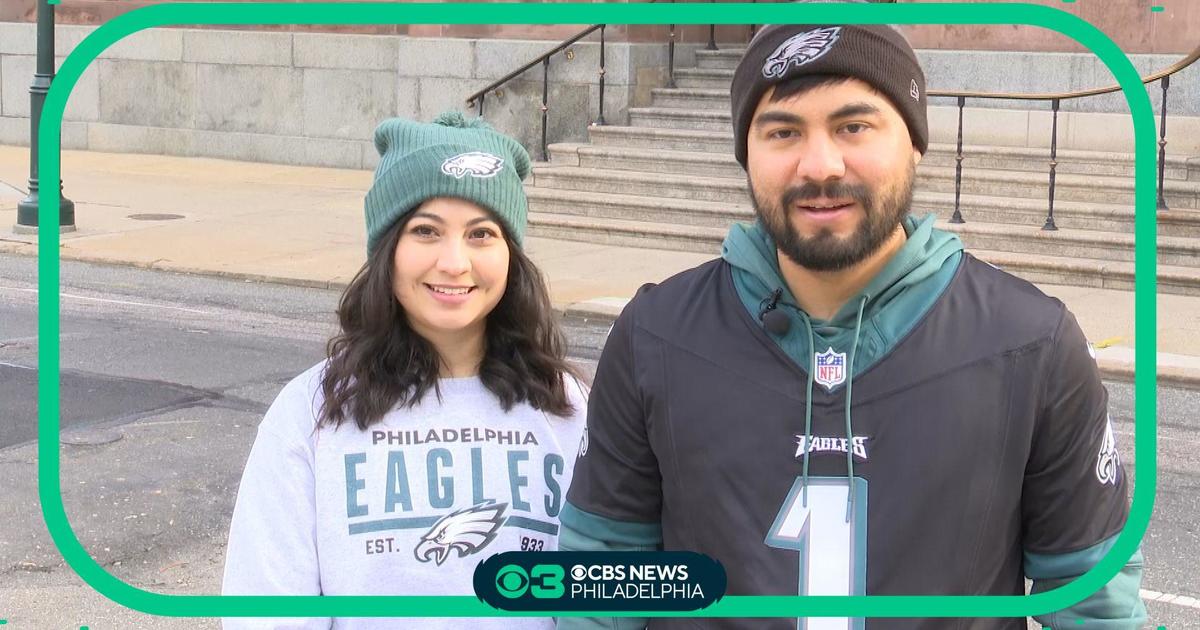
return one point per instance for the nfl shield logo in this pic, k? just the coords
(831, 368)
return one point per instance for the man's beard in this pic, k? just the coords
(824, 251)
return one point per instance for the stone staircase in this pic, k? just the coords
(669, 181)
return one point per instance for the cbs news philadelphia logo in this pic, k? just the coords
(626, 581)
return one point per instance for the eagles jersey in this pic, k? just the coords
(979, 434)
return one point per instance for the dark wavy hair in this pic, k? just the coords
(379, 362)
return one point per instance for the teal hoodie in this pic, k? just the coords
(892, 303)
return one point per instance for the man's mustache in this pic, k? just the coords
(832, 190)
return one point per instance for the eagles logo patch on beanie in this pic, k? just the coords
(800, 49)
(475, 164)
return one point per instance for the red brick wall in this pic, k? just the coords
(1130, 23)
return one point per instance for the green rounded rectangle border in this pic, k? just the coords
(1145, 283)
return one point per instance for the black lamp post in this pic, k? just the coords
(27, 208)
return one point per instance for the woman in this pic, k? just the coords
(444, 424)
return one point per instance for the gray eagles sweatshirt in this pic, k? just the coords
(408, 507)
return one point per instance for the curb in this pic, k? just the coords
(335, 285)
(1168, 376)
(600, 310)
(603, 311)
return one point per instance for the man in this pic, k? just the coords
(846, 402)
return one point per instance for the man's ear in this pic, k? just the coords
(916, 157)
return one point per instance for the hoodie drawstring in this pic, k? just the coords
(808, 408)
(812, 367)
(808, 405)
(849, 396)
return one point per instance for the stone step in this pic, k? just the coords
(1078, 244)
(1007, 158)
(626, 233)
(660, 153)
(667, 139)
(1089, 273)
(1033, 267)
(1032, 159)
(724, 59)
(1068, 215)
(1180, 195)
(974, 156)
(680, 183)
(646, 160)
(719, 120)
(672, 118)
(607, 205)
(709, 189)
(690, 98)
(573, 183)
(703, 78)
(974, 209)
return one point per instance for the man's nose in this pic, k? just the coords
(822, 160)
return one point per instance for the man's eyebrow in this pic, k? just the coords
(776, 116)
(854, 109)
(846, 111)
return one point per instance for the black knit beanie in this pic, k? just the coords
(876, 54)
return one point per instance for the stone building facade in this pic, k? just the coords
(312, 95)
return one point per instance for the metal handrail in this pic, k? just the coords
(1056, 99)
(477, 96)
(544, 60)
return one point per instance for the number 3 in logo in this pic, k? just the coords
(832, 548)
(546, 581)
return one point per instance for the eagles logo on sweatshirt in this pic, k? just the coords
(466, 531)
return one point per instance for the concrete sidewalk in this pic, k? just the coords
(302, 225)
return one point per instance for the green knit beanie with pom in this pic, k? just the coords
(450, 157)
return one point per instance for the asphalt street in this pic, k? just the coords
(164, 379)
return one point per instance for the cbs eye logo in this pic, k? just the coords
(543, 581)
(512, 581)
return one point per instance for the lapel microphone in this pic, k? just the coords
(774, 320)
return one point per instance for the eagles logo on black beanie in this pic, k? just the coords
(873, 53)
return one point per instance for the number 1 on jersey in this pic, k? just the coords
(832, 550)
